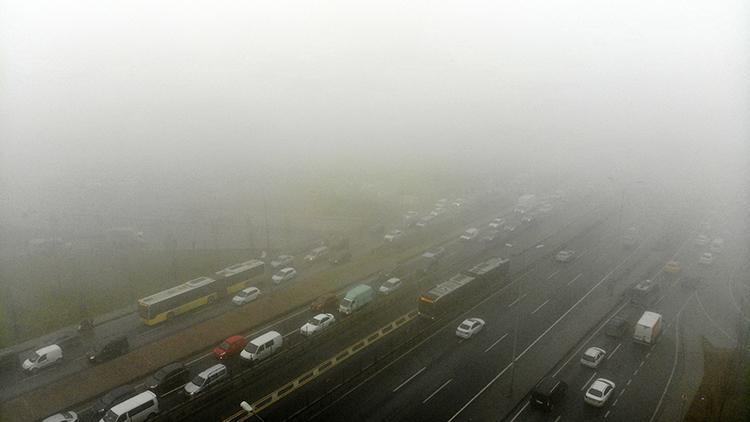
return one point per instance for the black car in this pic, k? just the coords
(548, 393)
(616, 327)
(114, 397)
(109, 350)
(168, 379)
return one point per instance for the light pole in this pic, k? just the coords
(247, 407)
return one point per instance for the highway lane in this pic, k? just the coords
(139, 334)
(455, 252)
(416, 364)
(217, 410)
(646, 377)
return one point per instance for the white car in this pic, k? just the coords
(566, 255)
(437, 212)
(509, 227)
(393, 235)
(317, 324)
(282, 261)
(246, 295)
(390, 285)
(284, 274)
(316, 254)
(63, 417)
(497, 223)
(701, 240)
(527, 218)
(469, 327)
(599, 392)
(706, 259)
(592, 357)
(470, 234)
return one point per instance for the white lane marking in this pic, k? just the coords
(409, 379)
(525, 405)
(510, 305)
(557, 418)
(621, 393)
(606, 414)
(648, 355)
(436, 391)
(641, 364)
(496, 341)
(614, 403)
(539, 307)
(609, 274)
(588, 381)
(636, 372)
(674, 363)
(574, 280)
(589, 339)
(614, 351)
(629, 381)
(553, 274)
(711, 319)
(480, 392)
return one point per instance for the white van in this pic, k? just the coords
(42, 358)
(135, 409)
(648, 328)
(470, 234)
(262, 347)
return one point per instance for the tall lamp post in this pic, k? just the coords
(247, 407)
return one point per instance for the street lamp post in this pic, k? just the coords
(247, 407)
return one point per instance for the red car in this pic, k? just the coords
(230, 347)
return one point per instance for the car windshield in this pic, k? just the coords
(199, 380)
(224, 346)
(465, 326)
(243, 294)
(313, 321)
(251, 348)
(391, 283)
(589, 357)
(110, 417)
(596, 393)
(34, 357)
(346, 302)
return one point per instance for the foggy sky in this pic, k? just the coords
(170, 91)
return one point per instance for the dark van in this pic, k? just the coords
(109, 350)
(168, 379)
(548, 393)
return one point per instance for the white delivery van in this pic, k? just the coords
(42, 358)
(648, 328)
(139, 408)
(262, 347)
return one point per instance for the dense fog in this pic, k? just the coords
(137, 110)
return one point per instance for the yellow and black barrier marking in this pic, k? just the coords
(300, 381)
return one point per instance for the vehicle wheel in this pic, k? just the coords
(211, 299)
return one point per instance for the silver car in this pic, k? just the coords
(206, 380)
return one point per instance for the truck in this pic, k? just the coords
(356, 298)
(648, 328)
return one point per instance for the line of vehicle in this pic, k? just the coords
(518, 299)
(574, 279)
(615, 351)
(480, 392)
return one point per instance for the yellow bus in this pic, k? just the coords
(198, 292)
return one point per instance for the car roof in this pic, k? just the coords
(211, 370)
(600, 384)
(265, 337)
(47, 349)
(170, 368)
(133, 402)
